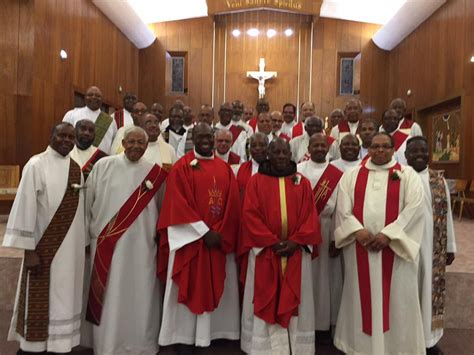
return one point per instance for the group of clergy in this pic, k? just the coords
(142, 231)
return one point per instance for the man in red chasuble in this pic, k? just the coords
(280, 233)
(198, 231)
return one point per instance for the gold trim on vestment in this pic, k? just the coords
(284, 219)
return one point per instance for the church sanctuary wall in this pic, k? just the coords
(37, 87)
(290, 57)
(434, 63)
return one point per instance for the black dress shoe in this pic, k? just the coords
(323, 337)
(435, 350)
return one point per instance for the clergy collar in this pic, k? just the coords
(199, 156)
(371, 166)
(91, 147)
(56, 154)
(265, 168)
(426, 171)
(180, 132)
(220, 125)
(291, 124)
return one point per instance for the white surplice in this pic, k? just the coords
(239, 142)
(82, 156)
(345, 165)
(415, 129)
(131, 313)
(160, 152)
(42, 187)
(179, 324)
(86, 113)
(405, 335)
(432, 336)
(299, 147)
(261, 338)
(287, 128)
(327, 272)
(339, 135)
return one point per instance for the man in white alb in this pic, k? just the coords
(105, 127)
(47, 221)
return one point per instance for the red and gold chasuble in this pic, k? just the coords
(325, 186)
(199, 190)
(275, 209)
(112, 233)
(388, 256)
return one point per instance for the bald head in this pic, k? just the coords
(336, 116)
(279, 154)
(400, 106)
(318, 147)
(85, 134)
(223, 141)
(62, 138)
(307, 110)
(203, 139)
(258, 147)
(353, 110)
(349, 147)
(93, 98)
(138, 112)
(157, 110)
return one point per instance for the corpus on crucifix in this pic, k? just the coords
(261, 75)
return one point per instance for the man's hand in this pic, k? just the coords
(450, 258)
(379, 242)
(364, 237)
(212, 239)
(32, 261)
(285, 248)
(333, 251)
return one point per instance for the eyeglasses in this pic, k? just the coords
(383, 146)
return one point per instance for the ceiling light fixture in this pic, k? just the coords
(253, 32)
(271, 33)
(236, 33)
(288, 32)
(472, 59)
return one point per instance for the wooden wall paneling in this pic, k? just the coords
(468, 66)
(9, 21)
(8, 113)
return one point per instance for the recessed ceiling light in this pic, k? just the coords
(236, 33)
(472, 59)
(63, 54)
(288, 32)
(271, 33)
(253, 32)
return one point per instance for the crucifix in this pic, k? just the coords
(261, 75)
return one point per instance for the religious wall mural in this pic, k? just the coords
(446, 136)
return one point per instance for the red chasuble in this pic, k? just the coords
(275, 208)
(399, 138)
(243, 176)
(112, 233)
(208, 192)
(325, 186)
(388, 256)
(297, 130)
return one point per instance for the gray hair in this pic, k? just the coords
(223, 130)
(132, 129)
(258, 135)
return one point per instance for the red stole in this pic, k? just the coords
(235, 130)
(399, 138)
(363, 269)
(118, 116)
(111, 234)
(297, 130)
(325, 186)
(233, 158)
(274, 207)
(284, 136)
(87, 168)
(205, 192)
(253, 123)
(406, 124)
(343, 127)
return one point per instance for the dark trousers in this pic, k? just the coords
(21, 352)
